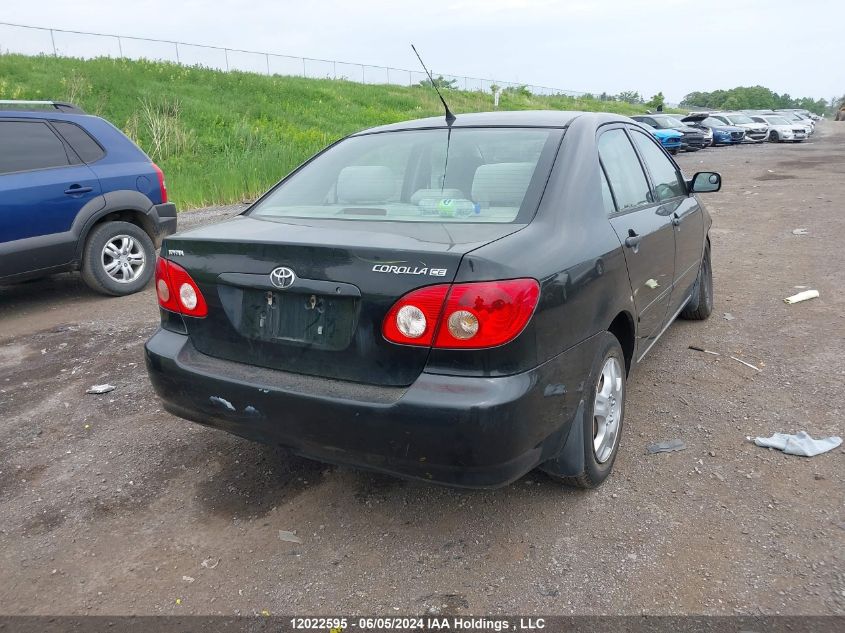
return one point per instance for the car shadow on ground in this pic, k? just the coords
(54, 290)
(42, 304)
(252, 479)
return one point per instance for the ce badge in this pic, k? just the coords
(282, 277)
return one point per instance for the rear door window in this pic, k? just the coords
(666, 179)
(606, 196)
(26, 145)
(624, 171)
(86, 147)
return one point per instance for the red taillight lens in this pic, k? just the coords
(176, 290)
(487, 314)
(162, 187)
(475, 315)
(413, 319)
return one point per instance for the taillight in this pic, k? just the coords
(176, 290)
(162, 187)
(475, 315)
(413, 319)
(487, 314)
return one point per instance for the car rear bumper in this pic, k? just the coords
(164, 219)
(475, 432)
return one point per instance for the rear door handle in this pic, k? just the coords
(633, 240)
(676, 221)
(76, 189)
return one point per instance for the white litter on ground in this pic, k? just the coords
(100, 389)
(802, 296)
(799, 444)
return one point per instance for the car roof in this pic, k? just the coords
(509, 118)
(53, 115)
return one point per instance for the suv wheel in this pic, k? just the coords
(118, 259)
(773, 136)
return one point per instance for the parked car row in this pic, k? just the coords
(698, 130)
(674, 134)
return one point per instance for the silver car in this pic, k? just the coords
(798, 119)
(780, 129)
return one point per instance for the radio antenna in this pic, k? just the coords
(450, 118)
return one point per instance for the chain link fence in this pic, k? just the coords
(34, 40)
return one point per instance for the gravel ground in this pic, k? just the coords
(108, 505)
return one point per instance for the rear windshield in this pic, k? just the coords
(464, 175)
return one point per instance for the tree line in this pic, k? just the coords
(752, 98)
(740, 98)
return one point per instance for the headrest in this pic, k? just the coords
(362, 184)
(502, 184)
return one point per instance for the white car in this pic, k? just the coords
(798, 119)
(780, 129)
(754, 132)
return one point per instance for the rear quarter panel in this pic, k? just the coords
(125, 166)
(571, 249)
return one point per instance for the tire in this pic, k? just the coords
(131, 246)
(700, 306)
(598, 463)
(773, 137)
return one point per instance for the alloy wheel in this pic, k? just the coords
(607, 409)
(123, 259)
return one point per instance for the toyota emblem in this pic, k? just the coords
(282, 277)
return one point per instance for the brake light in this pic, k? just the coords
(176, 290)
(463, 316)
(162, 186)
(487, 314)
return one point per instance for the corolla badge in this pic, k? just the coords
(282, 277)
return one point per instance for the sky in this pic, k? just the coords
(673, 46)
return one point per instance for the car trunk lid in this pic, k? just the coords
(346, 275)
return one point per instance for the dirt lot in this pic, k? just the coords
(108, 505)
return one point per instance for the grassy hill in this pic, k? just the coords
(221, 137)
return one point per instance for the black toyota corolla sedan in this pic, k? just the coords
(455, 303)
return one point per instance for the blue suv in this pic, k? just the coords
(77, 194)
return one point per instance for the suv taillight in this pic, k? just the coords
(176, 290)
(162, 187)
(463, 316)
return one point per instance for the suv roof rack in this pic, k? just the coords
(61, 106)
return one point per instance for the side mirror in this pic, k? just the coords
(705, 182)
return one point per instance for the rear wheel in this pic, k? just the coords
(701, 305)
(605, 414)
(118, 259)
(773, 136)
